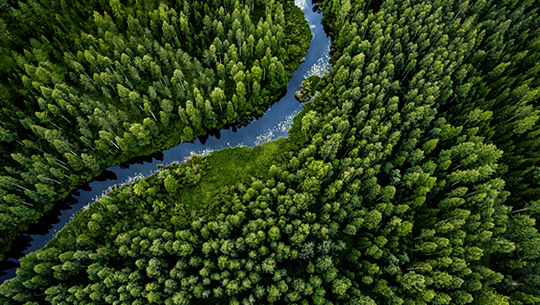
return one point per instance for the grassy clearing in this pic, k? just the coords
(230, 166)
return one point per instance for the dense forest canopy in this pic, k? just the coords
(89, 85)
(411, 178)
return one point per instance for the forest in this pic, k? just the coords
(96, 85)
(413, 176)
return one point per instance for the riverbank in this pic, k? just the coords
(205, 178)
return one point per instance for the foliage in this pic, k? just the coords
(393, 187)
(308, 88)
(90, 84)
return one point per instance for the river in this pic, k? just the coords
(274, 124)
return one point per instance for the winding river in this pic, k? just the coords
(274, 124)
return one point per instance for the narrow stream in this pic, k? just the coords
(274, 124)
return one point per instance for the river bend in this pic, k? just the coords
(274, 124)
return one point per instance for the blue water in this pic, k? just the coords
(274, 124)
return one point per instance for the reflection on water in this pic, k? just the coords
(279, 130)
(302, 4)
(322, 66)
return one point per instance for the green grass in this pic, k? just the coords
(230, 166)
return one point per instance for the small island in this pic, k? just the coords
(308, 88)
